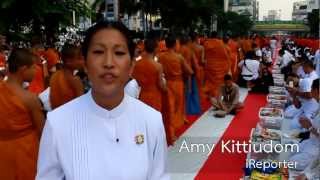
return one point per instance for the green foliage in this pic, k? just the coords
(177, 14)
(234, 24)
(23, 18)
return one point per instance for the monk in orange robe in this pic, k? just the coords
(234, 49)
(53, 58)
(218, 64)
(247, 45)
(38, 84)
(64, 86)
(2, 65)
(2, 60)
(139, 48)
(161, 46)
(200, 62)
(174, 67)
(149, 75)
(21, 120)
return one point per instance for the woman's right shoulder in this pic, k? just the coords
(66, 112)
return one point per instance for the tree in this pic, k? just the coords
(234, 23)
(313, 22)
(21, 18)
(182, 14)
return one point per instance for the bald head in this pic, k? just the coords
(19, 58)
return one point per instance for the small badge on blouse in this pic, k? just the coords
(139, 139)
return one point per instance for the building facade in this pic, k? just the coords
(312, 4)
(245, 7)
(300, 12)
(273, 15)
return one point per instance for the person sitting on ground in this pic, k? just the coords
(249, 70)
(265, 79)
(308, 107)
(309, 71)
(228, 99)
(309, 149)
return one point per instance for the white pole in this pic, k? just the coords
(74, 18)
(116, 9)
(226, 5)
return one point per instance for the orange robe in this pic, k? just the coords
(19, 140)
(247, 45)
(147, 75)
(52, 57)
(2, 61)
(37, 84)
(60, 90)
(233, 57)
(172, 67)
(199, 72)
(218, 64)
(161, 47)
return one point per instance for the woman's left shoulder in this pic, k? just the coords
(145, 113)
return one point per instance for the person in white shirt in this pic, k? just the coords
(316, 62)
(304, 91)
(273, 45)
(309, 71)
(267, 55)
(132, 89)
(309, 150)
(257, 51)
(249, 68)
(286, 58)
(104, 134)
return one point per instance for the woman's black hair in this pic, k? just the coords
(107, 25)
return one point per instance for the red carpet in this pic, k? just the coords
(229, 166)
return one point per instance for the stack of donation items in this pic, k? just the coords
(269, 134)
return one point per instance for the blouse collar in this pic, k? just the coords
(102, 112)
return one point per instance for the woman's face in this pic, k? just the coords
(108, 62)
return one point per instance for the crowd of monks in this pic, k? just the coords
(167, 70)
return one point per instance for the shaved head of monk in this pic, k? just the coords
(171, 41)
(21, 62)
(72, 57)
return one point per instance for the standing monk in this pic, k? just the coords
(149, 75)
(21, 120)
(233, 57)
(38, 83)
(64, 86)
(174, 66)
(199, 73)
(246, 45)
(218, 64)
(191, 88)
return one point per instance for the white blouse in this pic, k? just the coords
(83, 141)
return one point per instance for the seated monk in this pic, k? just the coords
(148, 73)
(64, 86)
(21, 119)
(228, 99)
